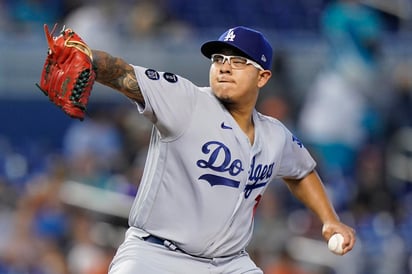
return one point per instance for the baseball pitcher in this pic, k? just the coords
(210, 159)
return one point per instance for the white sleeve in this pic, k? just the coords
(296, 160)
(169, 100)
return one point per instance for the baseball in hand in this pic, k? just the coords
(335, 244)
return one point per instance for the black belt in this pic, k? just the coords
(156, 240)
(172, 246)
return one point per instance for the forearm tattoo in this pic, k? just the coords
(117, 74)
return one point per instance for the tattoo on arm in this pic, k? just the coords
(114, 72)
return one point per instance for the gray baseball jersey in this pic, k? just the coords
(203, 179)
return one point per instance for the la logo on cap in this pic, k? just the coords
(230, 36)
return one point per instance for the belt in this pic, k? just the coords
(156, 240)
(172, 246)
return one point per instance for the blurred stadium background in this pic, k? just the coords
(342, 82)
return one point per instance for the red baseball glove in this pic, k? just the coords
(68, 75)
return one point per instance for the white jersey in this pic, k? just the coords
(203, 179)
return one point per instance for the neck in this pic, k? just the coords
(245, 121)
(243, 115)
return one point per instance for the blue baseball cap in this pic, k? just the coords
(249, 41)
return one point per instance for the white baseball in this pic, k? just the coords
(335, 244)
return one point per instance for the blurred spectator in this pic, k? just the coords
(98, 22)
(94, 148)
(277, 99)
(152, 19)
(399, 131)
(146, 18)
(400, 109)
(276, 107)
(341, 110)
(354, 33)
(331, 121)
(84, 255)
(372, 193)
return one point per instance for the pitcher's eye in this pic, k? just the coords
(217, 58)
(238, 61)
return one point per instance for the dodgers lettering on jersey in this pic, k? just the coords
(203, 179)
(259, 174)
(213, 150)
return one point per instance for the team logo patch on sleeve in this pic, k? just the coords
(170, 77)
(152, 74)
